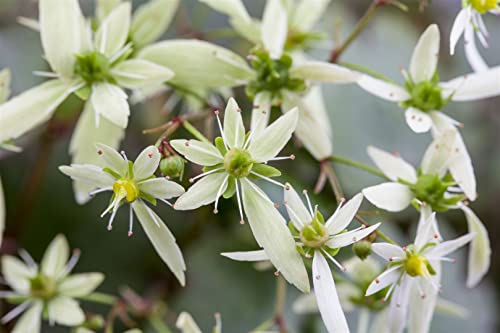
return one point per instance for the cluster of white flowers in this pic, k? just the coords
(99, 59)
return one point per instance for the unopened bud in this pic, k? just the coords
(362, 249)
(172, 166)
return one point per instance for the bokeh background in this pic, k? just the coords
(40, 201)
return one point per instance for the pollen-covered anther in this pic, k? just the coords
(292, 157)
(130, 233)
(110, 227)
(216, 112)
(242, 222)
(191, 180)
(277, 273)
(276, 205)
(216, 211)
(287, 187)
(404, 248)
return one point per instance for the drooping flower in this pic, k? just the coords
(230, 167)
(414, 276)
(134, 183)
(423, 96)
(320, 240)
(437, 187)
(97, 67)
(47, 290)
(469, 22)
(186, 324)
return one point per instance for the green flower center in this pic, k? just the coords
(93, 67)
(126, 188)
(425, 96)
(483, 6)
(315, 234)
(238, 163)
(272, 75)
(43, 287)
(432, 190)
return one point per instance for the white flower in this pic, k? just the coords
(423, 95)
(469, 22)
(47, 288)
(135, 183)
(435, 189)
(320, 240)
(413, 276)
(97, 68)
(2, 212)
(186, 324)
(231, 165)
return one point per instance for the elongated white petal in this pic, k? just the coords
(324, 72)
(151, 20)
(271, 233)
(387, 278)
(261, 111)
(79, 285)
(5, 78)
(451, 309)
(161, 188)
(480, 249)
(139, 73)
(31, 320)
(55, 256)
(388, 251)
(259, 255)
(65, 311)
(32, 108)
(89, 174)
(383, 89)
(425, 56)
(398, 309)
(394, 167)
(350, 237)
(104, 7)
(297, 211)
(199, 63)
(113, 31)
(458, 28)
(17, 274)
(472, 54)
(343, 217)
(326, 295)
(198, 152)
(146, 163)
(437, 156)
(202, 192)
(112, 159)
(110, 101)
(2, 211)
(234, 131)
(427, 224)
(162, 239)
(307, 13)
(476, 86)
(61, 34)
(187, 324)
(235, 9)
(274, 27)
(273, 139)
(419, 122)
(447, 247)
(393, 197)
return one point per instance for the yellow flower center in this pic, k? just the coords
(416, 265)
(483, 6)
(126, 188)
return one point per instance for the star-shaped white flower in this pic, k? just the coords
(48, 288)
(423, 96)
(414, 270)
(469, 22)
(320, 240)
(135, 184)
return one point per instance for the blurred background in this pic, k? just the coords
(40, 200)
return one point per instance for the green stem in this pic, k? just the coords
(100, 298)
(368, 71)
(159, 325)
(197, 134)
(358, 165)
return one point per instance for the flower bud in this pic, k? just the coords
(362, 249)
(172, 166)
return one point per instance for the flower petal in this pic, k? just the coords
(447, 247)
(146, 163)
(394, 167)
(326, 295)
(235, 9)
(472, 54)
(393, 197)
(199, 63)
(297, 211)
(113, 31)
(161, 188)
(383, 89)
(139, 73)
(202, 192)
(2, 211)
(112, 159)
(79, 285)
(273, 139)
(198, 152)
(458, 28)
(437, 156)
(388, 251)
(31, 320)
(387, 278)
(425, 56)
(259, 255)
(271, 233)
(324, 72)
(187, 324)
(104, 8)
(480, 249)
(55, 257)
(350, 237)
(305, 15)
(234, 131)
(65, 311)
(151, 20)
(32, 108)
(5, 78)
(110, 101)
(343, 217)
(421, 308)
(89, 174)
(475, 86)
(261, 111)
(61, 34)
(419, 122)
(17, 274)
(274, 27)
(162, 239)
(427, 225)
(398, 309)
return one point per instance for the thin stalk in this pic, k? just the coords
(358, 165)
(159, 325)
(194, 132)
(100, 298)
(279, 307)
